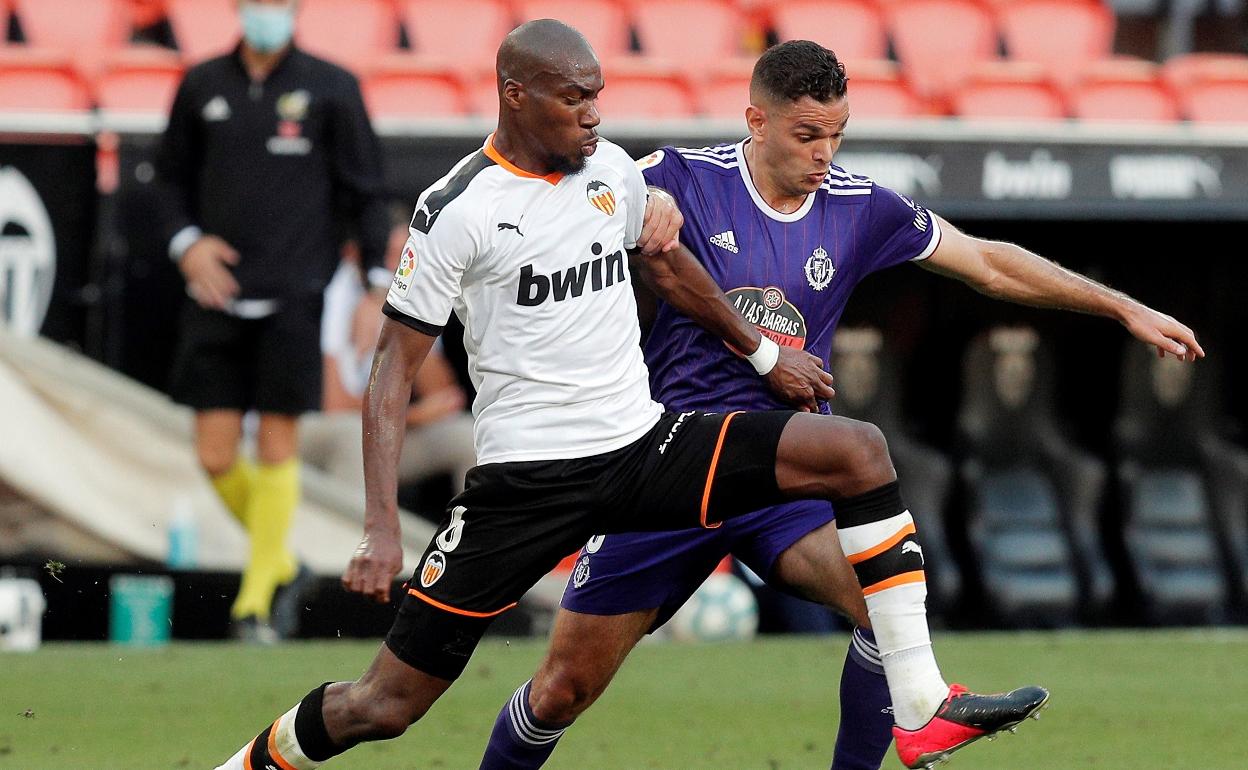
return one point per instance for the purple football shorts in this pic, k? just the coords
(617, 574)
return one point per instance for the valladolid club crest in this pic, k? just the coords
(819, 269)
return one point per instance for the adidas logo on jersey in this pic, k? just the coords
(725, 240)
(535, 288)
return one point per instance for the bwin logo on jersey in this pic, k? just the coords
(535, 288)
(819, 269)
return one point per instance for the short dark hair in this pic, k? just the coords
(797, 68)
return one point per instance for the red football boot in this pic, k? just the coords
(965, 717)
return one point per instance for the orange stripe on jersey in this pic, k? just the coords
(449, 608)
(497, 157)
(273, 753)
(916, 576)
(710, 473)
(247, 755)
(862, 556)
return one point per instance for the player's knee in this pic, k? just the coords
(216, 459)
(389, 717)
(563, 695)
(868, 462)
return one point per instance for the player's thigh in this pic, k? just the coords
(288, 367)
(829, 457)
(815, 568)
(511, 525)
(696, 469)
(641, 571)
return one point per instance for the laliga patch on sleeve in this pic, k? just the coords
(407, 266)
(651, 160)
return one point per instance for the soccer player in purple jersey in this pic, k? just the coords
(788, 236)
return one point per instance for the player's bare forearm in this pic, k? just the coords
(400, 353)
(1009, 272)
(379, 556)
(679, 279)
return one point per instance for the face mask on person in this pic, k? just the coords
(267, 28)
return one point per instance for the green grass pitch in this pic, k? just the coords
(1122, 699)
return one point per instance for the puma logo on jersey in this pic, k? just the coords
(508, 226)
(912, 547)
(535, 288)
(423, 220)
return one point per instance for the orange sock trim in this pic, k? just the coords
(916, 576)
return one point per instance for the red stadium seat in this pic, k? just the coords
(726, 91)
(877, 91)
(854, 29)
(939, 42)
(693, 34)
(40, 81)
(1009, 91)
(1063, 35)
(1216, 101)
(203, 28)
(139, 79)
(1122, 90)
(145, 13)
(1182, 71)
(642, 89)
(352, 33)
(601, 21)
(467, 31)
(73, 26)
(483, 95)
(403, 87)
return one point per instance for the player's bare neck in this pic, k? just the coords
(771, 193)
(509, 143)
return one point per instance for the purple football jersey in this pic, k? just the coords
(789, 274)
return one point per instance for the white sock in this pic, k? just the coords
(898, 612)
(899, 620)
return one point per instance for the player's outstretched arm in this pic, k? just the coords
(680, 280)
(1005, 271)
(379, 556)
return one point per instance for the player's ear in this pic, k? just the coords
(756, 121)
(512, 94)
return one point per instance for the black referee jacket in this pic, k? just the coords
(282, 169)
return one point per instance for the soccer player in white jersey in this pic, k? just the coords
(525, 240)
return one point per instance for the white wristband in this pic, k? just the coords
(764, 359)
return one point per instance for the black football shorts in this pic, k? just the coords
(271, 364)
(515, 521)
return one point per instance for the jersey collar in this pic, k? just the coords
(498, 158)
(762, 205)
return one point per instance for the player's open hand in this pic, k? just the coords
(205, 265)
(1163, 332)
(799, 378)
(377, 559)
(662, 224)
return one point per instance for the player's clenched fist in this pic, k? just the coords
(377, 559)
(799, 378)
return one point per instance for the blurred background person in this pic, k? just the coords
(267, 159)
(439, 427)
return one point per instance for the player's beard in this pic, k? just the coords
(567, 164)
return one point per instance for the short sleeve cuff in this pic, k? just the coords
(424, 327)
(931, 244)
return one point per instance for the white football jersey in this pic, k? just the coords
(536, 269)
